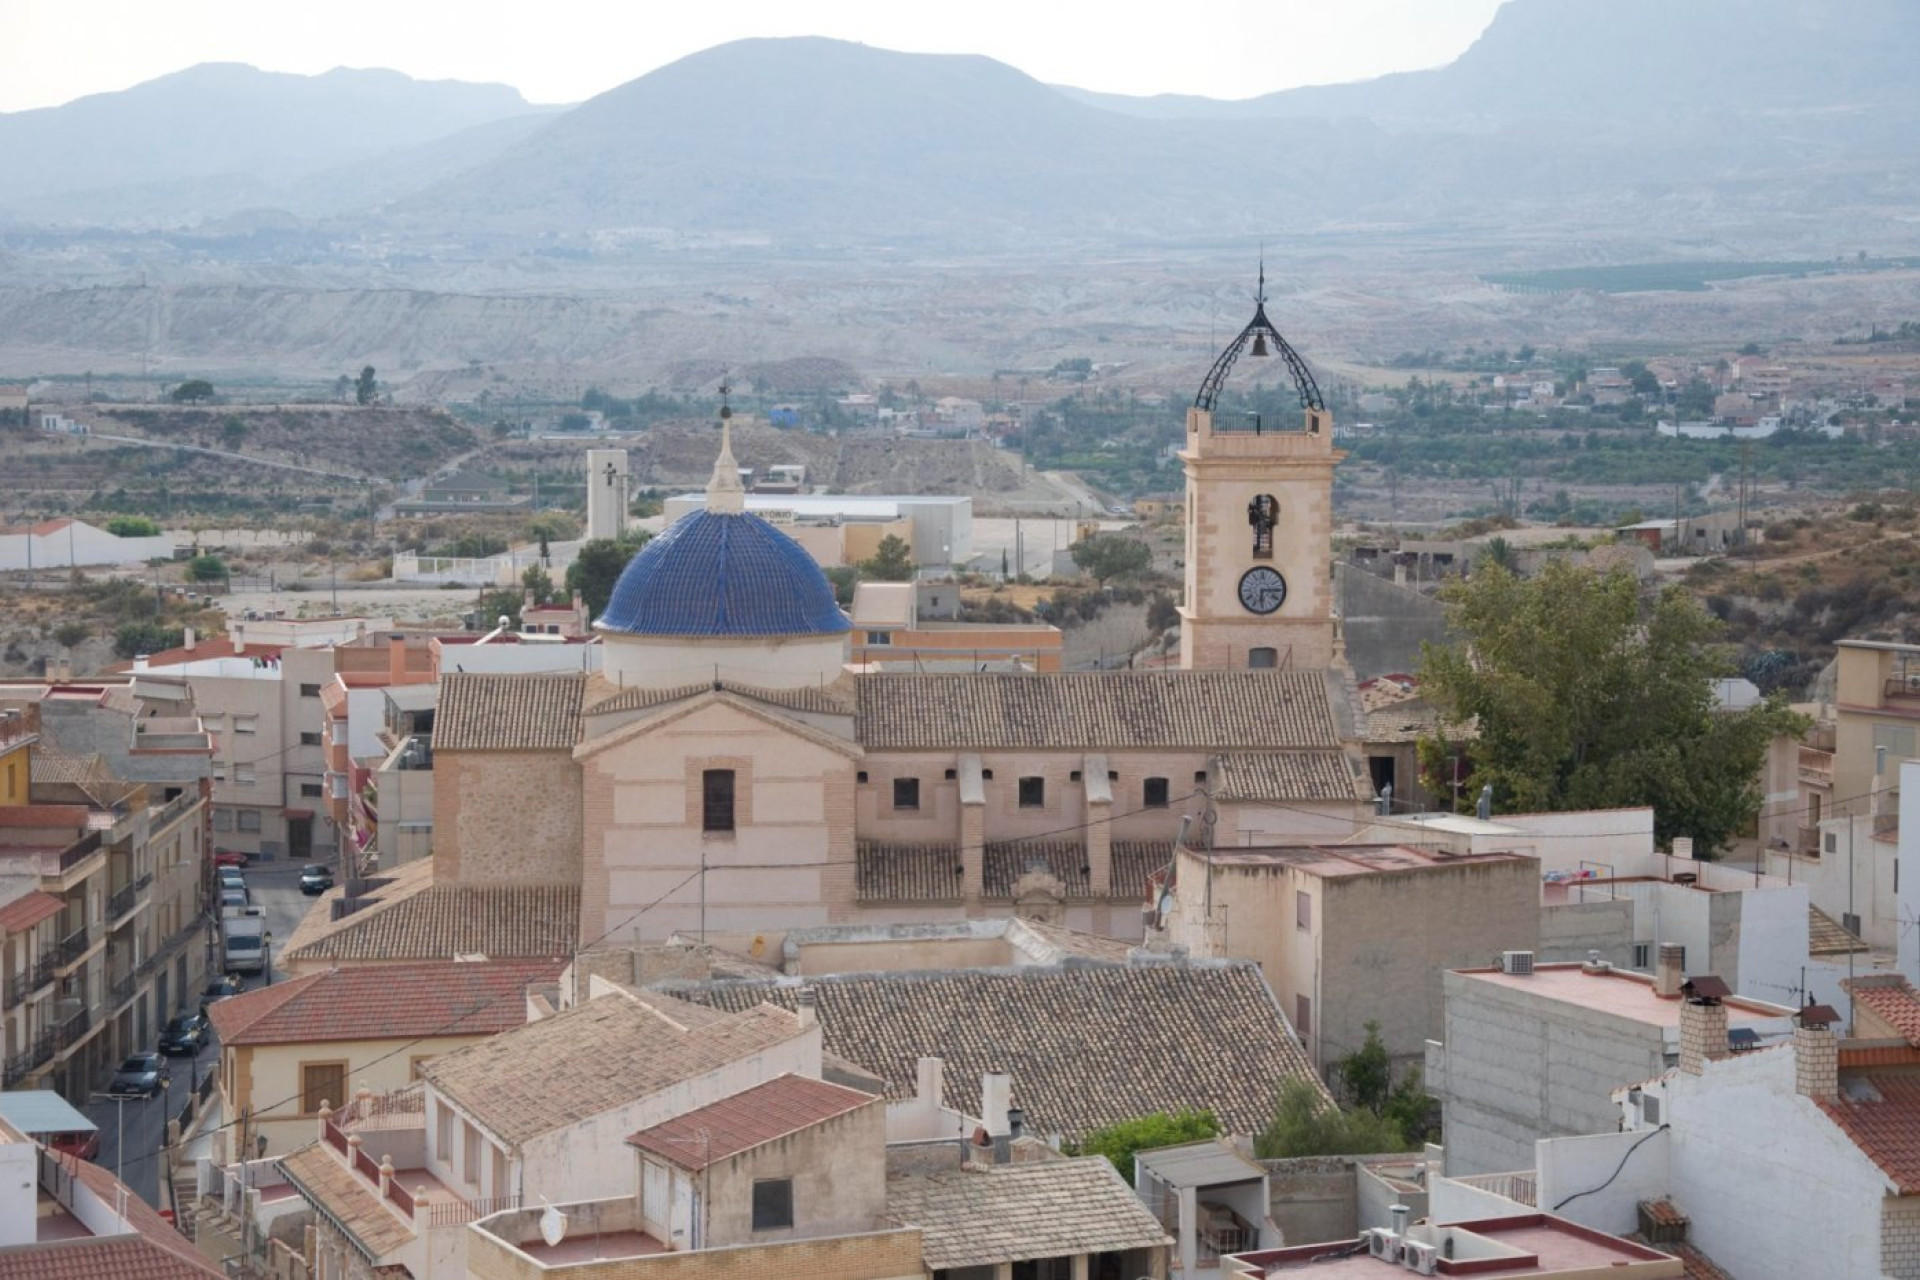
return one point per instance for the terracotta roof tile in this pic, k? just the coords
(985, 1215)
(1828, 937)
(508, 712)
(1200, 1035)
(615, 1049)
(344, 1197)
(142, 1217)
(1285, 775)
(886, 872)
(1882, 1116)
(783, 1105)
(604, 697)
(384, 1002)
(1171, 710)
(111, 1258)
(1896, 1003)
(28, 910)
(415, 918)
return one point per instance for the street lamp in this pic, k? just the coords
(119, 1126)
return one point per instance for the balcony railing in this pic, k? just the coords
(172, 809)
(73, 1030)
(457, 1213)
(71, 947)
(1903, 686)
(22, 1064)
(125, 899)
(79, 851)
(120, 990)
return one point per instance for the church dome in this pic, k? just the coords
(723, 573)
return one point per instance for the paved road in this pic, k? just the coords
(229, 456)
(139, 1124)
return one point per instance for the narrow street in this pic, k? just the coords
(131, 1130)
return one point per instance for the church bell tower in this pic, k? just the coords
(1259, 531)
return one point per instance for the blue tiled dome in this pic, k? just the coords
(723, 574)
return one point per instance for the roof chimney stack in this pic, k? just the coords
(1703, 1023)
(1816, 1053)
(1667, 970)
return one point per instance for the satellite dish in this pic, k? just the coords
(1166, 904)
(553, 1226)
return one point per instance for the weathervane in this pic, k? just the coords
(726, 410)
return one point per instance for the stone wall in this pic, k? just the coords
(506, 817)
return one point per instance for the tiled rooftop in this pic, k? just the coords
(1338, 861)
(886, 872)
(347, 1198)
(29, 909)
(508, 712)
(1881, 1113)
(1285, 775)
(783, 1105)
(1618, 992)
(411, 917)
(1828, 937)
(1895, 1003)
(981, 1216)
(615, 1049)
(374, 1002)
(1167, 710)
(603, 696)
(1142, 1037)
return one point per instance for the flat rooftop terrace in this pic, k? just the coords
(1619, 992)
(1334, 861)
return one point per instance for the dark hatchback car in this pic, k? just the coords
(217, 990)
(315, 877)
(184, 1035)
(140, 1076)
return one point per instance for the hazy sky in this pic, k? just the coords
(52, 51)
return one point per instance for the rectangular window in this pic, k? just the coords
(246, 724)
(1897, 739)
(310, 739)
(247, 820)
(470, 1153)
(1643, 955)
(1154, 793)
(1303, 1015)
(223, 819)
(1649, 1109)
(322, 1082)
(310, 790)
(879, 637)
(716, 800)
(1302, 909)
(773, 1204)
(906, 793)
(339, 733)
(1033, 793)
(443, 1133)
(309, 690)
(243, 775)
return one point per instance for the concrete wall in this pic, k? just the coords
(1313, 1198)
(1515, 1069)
(889, 1255)
(1909, 855)
(839, 1173)
(1571, 931)
(1600, 1183)
(1384, 625)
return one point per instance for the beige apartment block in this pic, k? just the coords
(1351, 934)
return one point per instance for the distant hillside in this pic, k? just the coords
(239, 127)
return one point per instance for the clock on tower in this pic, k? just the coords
(1259, 534)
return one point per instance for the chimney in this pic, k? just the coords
(238, 631)
(1666, 971)
(803, 1006)
(996, 1101)
(188, 639)
(1401, 1215)
(1683, 847)
(396, 658)
(1703, 1024)
(1816, 1053)
(930, 1081)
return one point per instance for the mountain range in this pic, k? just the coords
(1758, 125)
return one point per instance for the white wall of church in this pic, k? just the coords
(675, 662)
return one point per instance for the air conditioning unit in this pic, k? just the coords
(1419, 1257)
(1519, 962)
(1383, 1243)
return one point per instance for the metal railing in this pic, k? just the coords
(80, 850)
(172, 809)
(457, 1213)
(73, 1030)
(120, 990)
(122, 901)
(1906, 686)
(22, 1064)
(71, 947)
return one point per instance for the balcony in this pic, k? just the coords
(23, 1064)
(71, 949)
(1816, 767)
(76, 1028)
(121, 989)
(126, 900)
(597, 1230)
(172, 809)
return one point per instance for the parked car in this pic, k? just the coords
(315, 877)
(184, 1035)
(217, 990)
(232, 897)
(231, 857)
(231, 878)
(140, 1076)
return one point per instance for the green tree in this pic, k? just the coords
(598, 566)
(1498, 553)
(365, 387)
(132, 527)
(1118, 1141)
(233, 431)
(845, 578)
(135, 638)
(502, 602)
(538, 584)
(192, 391)
(72, 634)
(1586, 696)
(206, 569)
(892, 561)
(1366, 1077)
(1306, 1123)
(1110, 555)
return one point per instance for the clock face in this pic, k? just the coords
(1262, 590)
